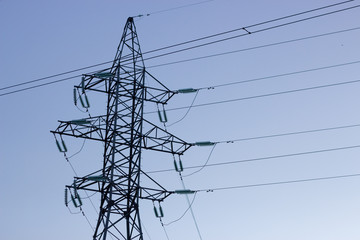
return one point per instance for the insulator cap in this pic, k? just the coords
(156, 212)
(161, 212)
(62, 148)
(206, 143)
(80, 122)
(187, 90)
(66, 197)
(97, 178)
(75, 97)
(184, 191)
(104, 74)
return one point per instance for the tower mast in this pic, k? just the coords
(122, 132)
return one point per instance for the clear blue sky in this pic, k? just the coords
(41, 38)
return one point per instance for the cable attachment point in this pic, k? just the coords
(246, 30)
(178, 168)
(162, 114)
(160, 213)
(141, 15)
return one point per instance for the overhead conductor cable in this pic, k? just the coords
(242, 28)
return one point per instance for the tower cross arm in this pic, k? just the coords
(96, 183)
(101, 82)
(158, 139)
(88, 128)
(155, 138)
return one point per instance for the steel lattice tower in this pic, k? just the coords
(124, 132)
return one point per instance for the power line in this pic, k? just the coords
(215, 86)
(265, 95)
(280, 183)
(189, 48)
(237, 99)
(253, 32)
(179, 218)
(289, 133)
(253, 48)
(146, 232)
(56, 75)
(43, 84)
(281, 75)
(246, 27)
(192, 103)
(261, 96)
(190, 208)
(81, 148)
(87, 195)
(174, 8)
(204, 165)
(261, 158)
(40, 85)
(166, 234)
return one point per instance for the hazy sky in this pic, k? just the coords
(42, 38)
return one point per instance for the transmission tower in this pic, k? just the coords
(124, 133)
